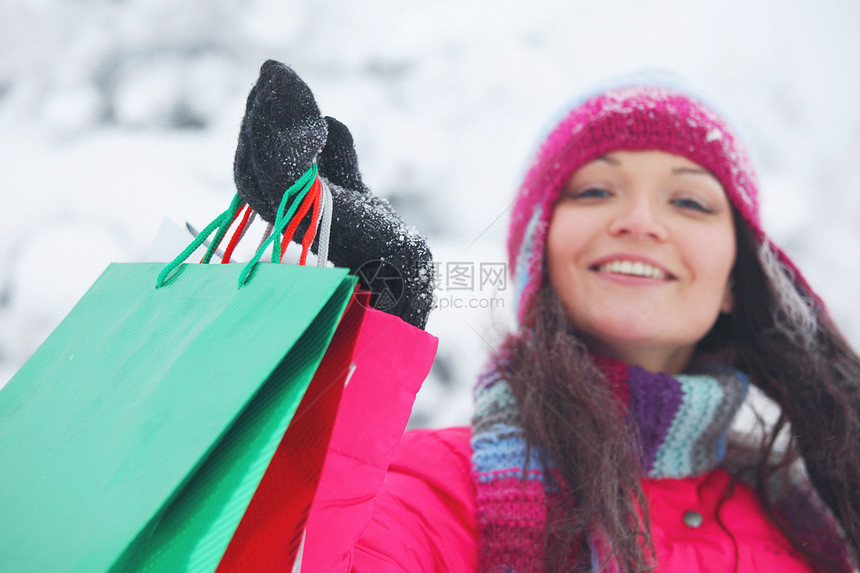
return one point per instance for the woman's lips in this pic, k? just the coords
(631, 280)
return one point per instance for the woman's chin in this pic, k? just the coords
(626, 332)
(627, 339)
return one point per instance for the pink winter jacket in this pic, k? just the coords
(418, 515)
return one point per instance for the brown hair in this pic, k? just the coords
(791, 351)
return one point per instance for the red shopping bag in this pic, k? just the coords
(271, 529)
(392, 359)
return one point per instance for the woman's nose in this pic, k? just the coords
(638, 218)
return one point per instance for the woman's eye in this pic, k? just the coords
(589, 193)
(694, 204)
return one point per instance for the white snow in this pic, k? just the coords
(115, 115)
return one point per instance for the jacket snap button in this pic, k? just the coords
(693, 519)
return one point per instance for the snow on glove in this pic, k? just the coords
(282, 133)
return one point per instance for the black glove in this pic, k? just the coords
(282, 134)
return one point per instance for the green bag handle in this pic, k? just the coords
(222, 222)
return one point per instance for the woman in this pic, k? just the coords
(648, 298)
(651, 175)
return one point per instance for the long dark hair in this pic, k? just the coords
(791, 351)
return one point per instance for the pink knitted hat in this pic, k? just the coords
(631, 117)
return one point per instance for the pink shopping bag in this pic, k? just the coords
(392, 358)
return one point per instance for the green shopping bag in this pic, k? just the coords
(135, 436)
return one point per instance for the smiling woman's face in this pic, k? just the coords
(640, 251)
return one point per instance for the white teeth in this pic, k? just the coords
(636, 269)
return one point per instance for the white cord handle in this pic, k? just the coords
(325, 226)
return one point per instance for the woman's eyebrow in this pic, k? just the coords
(610, 160)
(691, 170)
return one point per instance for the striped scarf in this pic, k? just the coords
(681, 423)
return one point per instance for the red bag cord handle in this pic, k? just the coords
(303, 210)
(237, 234)
(309, 235)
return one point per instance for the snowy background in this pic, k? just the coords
(117, 114)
